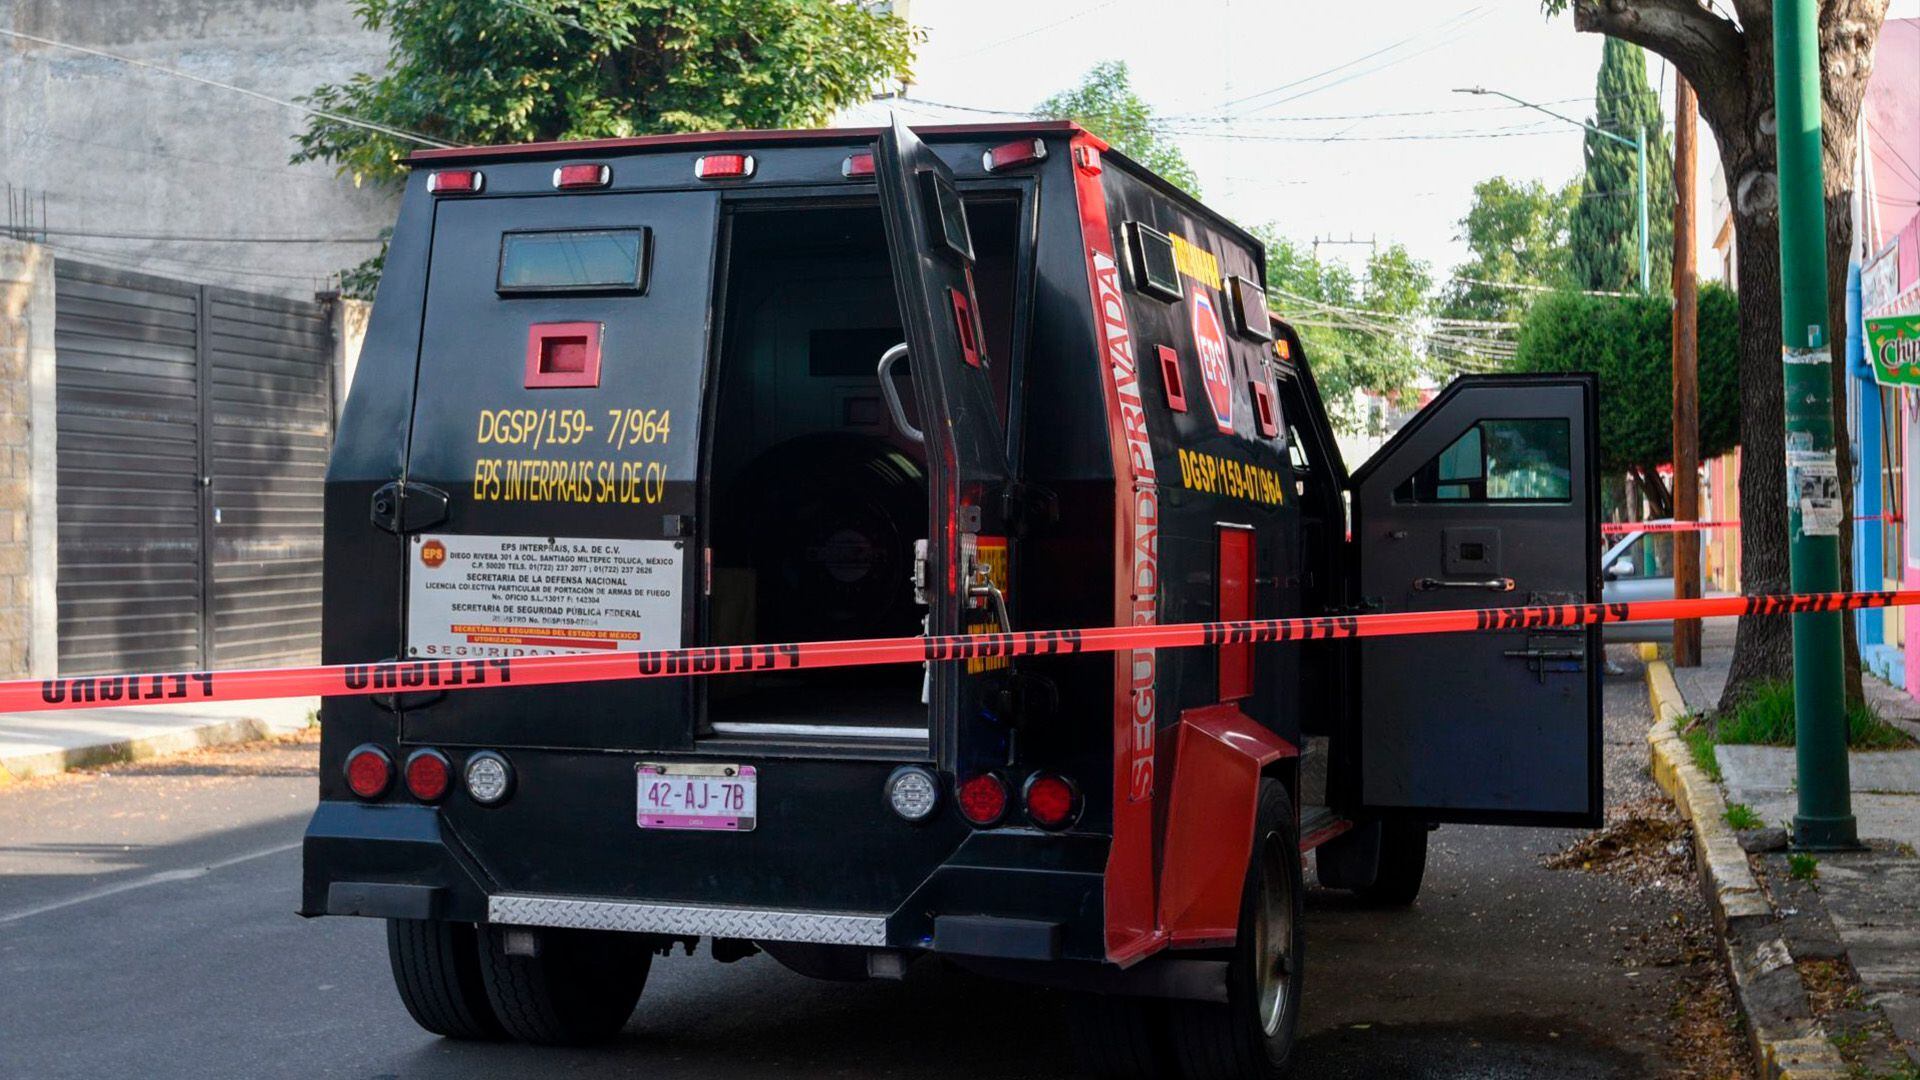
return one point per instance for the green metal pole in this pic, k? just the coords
(1825, 816)
(1640, 144)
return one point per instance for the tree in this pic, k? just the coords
(1106, 104)
(1605, 228)
(1628, 342)
(531, 70)
(1729, 61)
(1357, 328)
(1516, 234)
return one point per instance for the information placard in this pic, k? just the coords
(502, 596)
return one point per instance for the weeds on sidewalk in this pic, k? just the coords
(1740, 817)
(1697, 733)
(1765, 718)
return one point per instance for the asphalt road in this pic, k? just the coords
(146, 929)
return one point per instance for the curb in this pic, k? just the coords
(216, 733)
(1787, 1041)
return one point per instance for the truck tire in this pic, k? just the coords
(1403, 865)
(1119, 1038)
(1251, 1036)
(580, 989)
(436, 968)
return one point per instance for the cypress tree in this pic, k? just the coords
(1605, 235)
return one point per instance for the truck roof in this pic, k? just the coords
(793, 137)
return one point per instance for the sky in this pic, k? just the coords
(1283, 108)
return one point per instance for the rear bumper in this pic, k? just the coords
(1011, 894)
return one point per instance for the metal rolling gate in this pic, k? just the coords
(193, 429)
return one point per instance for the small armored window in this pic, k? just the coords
(1154, 271)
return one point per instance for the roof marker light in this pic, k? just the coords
(582, 176)
(1013, 154)
(723, 166)
(857, 166)
(456, 182)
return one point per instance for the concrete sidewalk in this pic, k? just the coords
(1860, 908)
(39, 744)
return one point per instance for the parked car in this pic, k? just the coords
(1639, 566)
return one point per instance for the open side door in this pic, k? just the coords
(1487, 498)
(967, 555)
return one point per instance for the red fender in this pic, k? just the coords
(1219, 754)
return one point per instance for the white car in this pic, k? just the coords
(1639, 566)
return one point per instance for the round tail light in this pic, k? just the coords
(1052, 801)
(489, 777)
(983, 799)
(913, 793)
(428, 774)
(369, 771)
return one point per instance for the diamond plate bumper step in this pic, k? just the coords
(755, 924)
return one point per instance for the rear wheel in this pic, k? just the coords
(1403, 865)
(436, 968)
(580, 988)
(1119, 1038)
(1251, 1036)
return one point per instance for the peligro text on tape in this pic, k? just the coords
(91, 691)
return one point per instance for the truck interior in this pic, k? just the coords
(816, 496)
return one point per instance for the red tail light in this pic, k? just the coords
(857, 166)
(1009, 155)
(428, 775)
(369, 771)
(582, 176)
(723, 166)
(1052, 801)
(983, 799)
(456, 182)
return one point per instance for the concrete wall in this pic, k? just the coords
(28, 645)
(117, 149)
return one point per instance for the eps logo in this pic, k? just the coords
(1210, 338)
(432, 554)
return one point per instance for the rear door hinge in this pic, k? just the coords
(404, 507)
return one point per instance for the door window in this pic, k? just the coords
(1649, 556)
(1497, 461)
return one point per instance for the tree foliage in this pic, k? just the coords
(1370, 346)
(1628, 342)
(511, 71)
(1106, 104)
(1605, 229)
(1516, 233)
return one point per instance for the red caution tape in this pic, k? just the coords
(1621, 528)
(192, 687)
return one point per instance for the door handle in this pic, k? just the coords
(1497, 584)
(892, 394)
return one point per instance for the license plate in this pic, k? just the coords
(715, 797)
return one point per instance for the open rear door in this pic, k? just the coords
(932, 256)
(1487, 498)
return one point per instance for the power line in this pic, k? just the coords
(1441, 25)
(1076, 16)
(339, 118)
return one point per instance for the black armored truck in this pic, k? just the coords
(795, 387)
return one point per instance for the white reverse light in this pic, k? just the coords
(913, 793)
(488, 777)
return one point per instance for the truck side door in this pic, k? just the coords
(1487, 498)
(932, 258)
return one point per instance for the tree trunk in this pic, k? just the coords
(1763, 645)
(1654, 490)
(1839, 255)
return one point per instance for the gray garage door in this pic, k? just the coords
(194, 424)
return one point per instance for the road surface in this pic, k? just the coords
(147, 929)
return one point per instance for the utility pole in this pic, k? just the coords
(1686, 373)
(1824, 820)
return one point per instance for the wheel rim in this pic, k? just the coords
(1273, 936)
